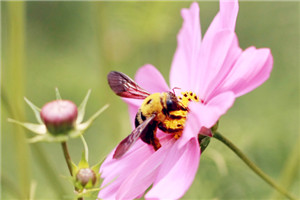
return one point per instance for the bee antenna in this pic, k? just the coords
(175, 88)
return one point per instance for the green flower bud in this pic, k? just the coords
(59, 116)
(85, 176)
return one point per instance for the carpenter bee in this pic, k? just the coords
(158, 110)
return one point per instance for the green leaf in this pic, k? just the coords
(48, 138)
(86, 149)
(74, 133)
(35, 109)
(36, 128)
(96, 167)
(87, 192)
(215, 127)
(38, 138)
(58, 97)
(74, 169)
(83, 162)
(81, 108)
(89, 184)
(204, 143)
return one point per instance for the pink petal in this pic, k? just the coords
(193, 124)
(250, 71)
(188, 46)
(115, 171)
(216, 107)
(225, 19)
(202, 115)
(149, 78)
(221, 103)
(217, 56)
(177, 172)
(144, 175)
(228, 11)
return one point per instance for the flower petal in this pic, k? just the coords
(216, 107)
(115, 171)
(219, 50)
(193, 123)
(228, 11)
(215, 61)
(188, 46)
(218, 57)
(145, 174)
(202, 115)
(149, 78)
(177, 172)
(251, 69)
(225, 19)
(221, 103)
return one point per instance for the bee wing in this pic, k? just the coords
(124, 86)
(125, 144)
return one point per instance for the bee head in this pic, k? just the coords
(172, 102)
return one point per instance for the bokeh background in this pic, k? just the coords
(73, 45)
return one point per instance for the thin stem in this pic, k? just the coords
(252, 166)
(67, 157)
(86, 149)
(69, 161)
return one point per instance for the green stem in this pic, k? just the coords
(69, 161)
(252, 166)
(67, 157)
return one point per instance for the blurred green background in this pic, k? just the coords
(73, 45)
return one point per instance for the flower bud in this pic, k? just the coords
(86, 175)
(59, 116)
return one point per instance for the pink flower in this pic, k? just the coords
(218, 71)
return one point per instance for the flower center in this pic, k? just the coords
(175, 122)
(188, 97)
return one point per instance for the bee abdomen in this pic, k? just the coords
(170, 129)
(171, 116)
(139, 118)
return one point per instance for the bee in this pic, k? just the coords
(158, 110)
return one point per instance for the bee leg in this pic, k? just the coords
(177, 135)
(155, 143)
(149, 137)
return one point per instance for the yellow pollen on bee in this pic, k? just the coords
(176, 120)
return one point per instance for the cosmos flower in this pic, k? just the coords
(217, 70)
